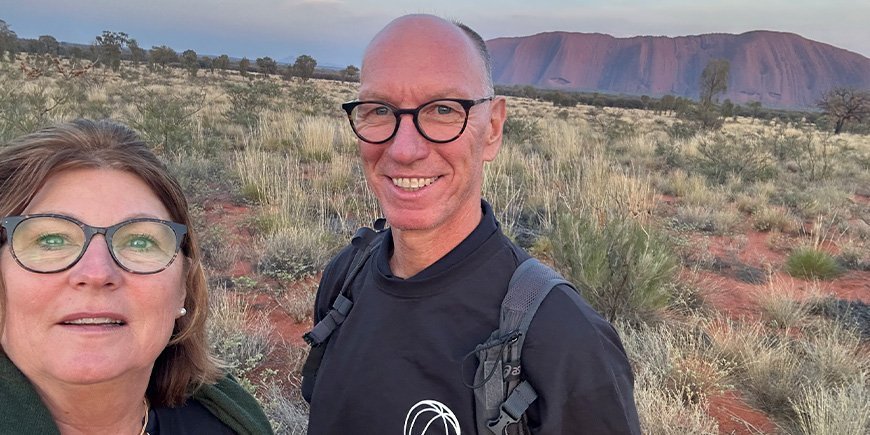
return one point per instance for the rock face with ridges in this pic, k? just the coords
(778, 69)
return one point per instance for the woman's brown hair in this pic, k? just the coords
(26, 163)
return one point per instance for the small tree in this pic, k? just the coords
(108, 48)
(48, 45)
(244, 64)
(754, 109)
(304, 67)
(207, 63)
(163, 56)
(727, 109)
(190, 62)
(714, 81)
(842, 105)
(137, 53)
(8, 40)
(221, 62)
(267, 65)
(349, 73)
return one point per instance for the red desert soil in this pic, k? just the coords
(735, 417)
(233, 217)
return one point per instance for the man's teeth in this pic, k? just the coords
(94, 321)
(413, 183)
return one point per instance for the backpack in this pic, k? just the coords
(501, 394)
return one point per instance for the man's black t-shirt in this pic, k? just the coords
(395, 366)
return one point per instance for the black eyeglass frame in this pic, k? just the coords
(397, 112)
(10, 223)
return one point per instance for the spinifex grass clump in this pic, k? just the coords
(811, 263)
(623, 269)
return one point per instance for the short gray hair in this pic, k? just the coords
(480, 44)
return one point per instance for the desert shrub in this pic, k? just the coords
(622, 269)
(307, 98)
(217, 254)
(670, 152)
(249, 100)
(812, 263)
(833, 353)
(238, 334)
(680, 130)
(677, 360)
(690, 188)
(833, 411)
(612, 126)
(298, 301)
(707, 219)
(42, 91)
(166, 118)
(745, 156)
(288, 414)
(202, 177)
(771, 375)
(521, 130)
(315, 137)
(294, 253)
(748, 203)
(664, 412)
(775, 219)
(779, 307)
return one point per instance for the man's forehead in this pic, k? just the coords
(423, 56)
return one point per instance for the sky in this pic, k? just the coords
(335, 32)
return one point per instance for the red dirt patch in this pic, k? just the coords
(286, 330)
(736, 418)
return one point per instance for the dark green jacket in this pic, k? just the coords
(22, 411)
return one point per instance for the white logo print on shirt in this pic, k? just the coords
(425, 413)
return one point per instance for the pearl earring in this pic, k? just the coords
(182, 311)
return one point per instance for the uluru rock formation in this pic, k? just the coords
(778, 69)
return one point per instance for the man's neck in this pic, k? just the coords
(415, 250)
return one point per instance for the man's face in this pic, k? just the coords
(422, 185)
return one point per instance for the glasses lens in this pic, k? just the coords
(373, 122)
(144, 246)
(47, 244)
(442, 120)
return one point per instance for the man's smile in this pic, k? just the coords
(413, 184)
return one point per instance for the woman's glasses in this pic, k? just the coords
(48, 243)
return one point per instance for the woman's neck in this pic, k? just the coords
(96, 409)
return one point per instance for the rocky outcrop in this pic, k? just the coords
(778, 69)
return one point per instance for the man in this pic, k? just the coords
(427, 121)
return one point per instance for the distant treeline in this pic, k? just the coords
(667, 103)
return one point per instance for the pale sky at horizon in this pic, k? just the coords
(335, 32)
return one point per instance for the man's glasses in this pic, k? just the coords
(439, 121)
(48, 243)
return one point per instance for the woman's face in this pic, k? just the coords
(94, 322)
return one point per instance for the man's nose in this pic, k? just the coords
(408, 145)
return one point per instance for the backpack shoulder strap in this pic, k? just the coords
(364, 241)
(503, 400)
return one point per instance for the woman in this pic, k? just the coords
(103, 299)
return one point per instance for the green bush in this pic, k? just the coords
(166, 119)
(249, 100)
(521, 130)
(810, 263)
(747, 157)
(625, 271)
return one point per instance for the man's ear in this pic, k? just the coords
(498, 113)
